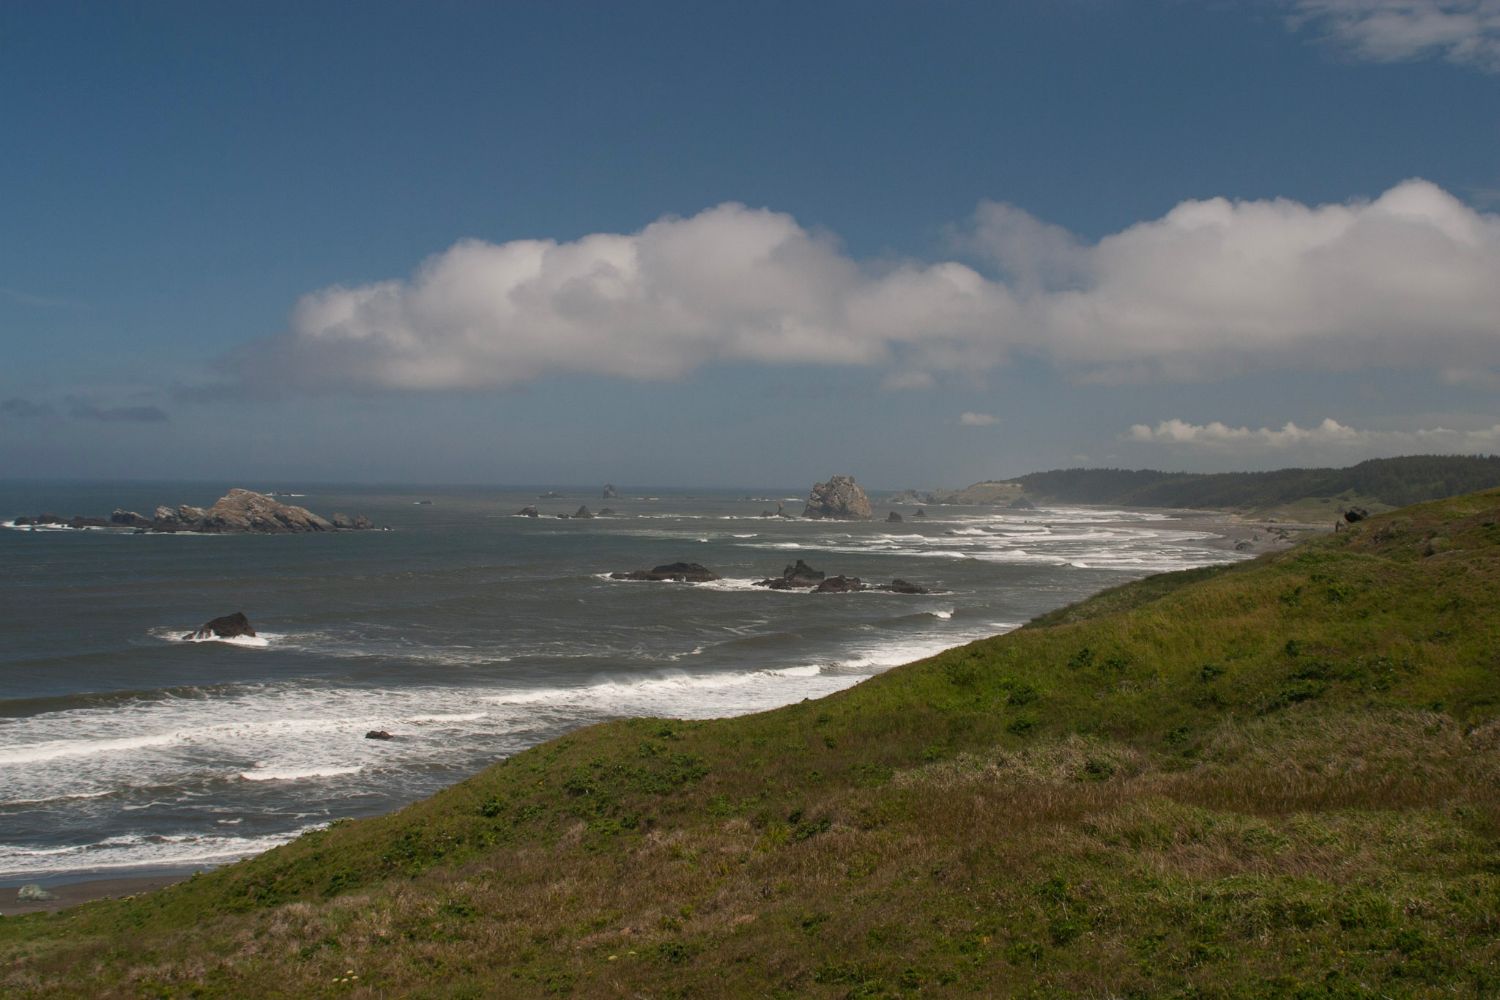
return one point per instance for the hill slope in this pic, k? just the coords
(1381, 483)
(1277, 778)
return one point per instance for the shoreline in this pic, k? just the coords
(1230, 532)
(86, 890)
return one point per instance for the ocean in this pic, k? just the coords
(466, 632)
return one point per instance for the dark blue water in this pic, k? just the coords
(467, 632)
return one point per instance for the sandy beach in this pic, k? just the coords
(86, 891)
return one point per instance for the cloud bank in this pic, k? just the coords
(1212, 288)
(977, 420)
(1330, 434)
(1466, 32)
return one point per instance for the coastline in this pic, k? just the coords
(1229, 532)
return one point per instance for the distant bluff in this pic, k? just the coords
(840, 499)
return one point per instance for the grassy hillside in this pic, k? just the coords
(1272, 779)
(1379, 483)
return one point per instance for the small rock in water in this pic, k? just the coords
(378, 734)
(225, 627)
(34, 894)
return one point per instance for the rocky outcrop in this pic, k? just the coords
(379, 734)
(607, 512)
(780, 511)
(225, 627)
(1355, 514)
(801, 576)
(609, 492)
(920, 513)
(893, 518)
(528, 511)
(583, 512)
(239, 511)
(797, 576)
(677, 572)
(841, 499)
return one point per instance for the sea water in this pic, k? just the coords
(466, 632)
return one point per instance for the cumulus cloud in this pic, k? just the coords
(978, 420)
(1466, 32)
(1330, 434)
(1212, 288)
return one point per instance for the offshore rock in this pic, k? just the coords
(840, 498)
(797, 576)
(900, 586)
(609, 492)
(239, 511)
(677, 572)
(528, 511)
(343, 522)
(893, 518)
(224, 627)
(840, 585)
(378, 734)
(583, 512)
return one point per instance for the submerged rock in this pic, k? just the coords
(677, 572)
(841, 498)
(225, 627)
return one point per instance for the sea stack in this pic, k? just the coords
(839, 499)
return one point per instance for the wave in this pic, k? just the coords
(137, 851)
(260, 640)
(297, 773)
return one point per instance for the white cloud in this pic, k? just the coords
(978, 420)
(1326, 436)
(1462, 31)
(1213, 288)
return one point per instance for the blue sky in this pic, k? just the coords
(747, 243)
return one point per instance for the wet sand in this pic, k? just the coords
(73, 893)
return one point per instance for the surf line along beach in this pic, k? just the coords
(469, 635)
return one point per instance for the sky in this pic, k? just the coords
(740, 244)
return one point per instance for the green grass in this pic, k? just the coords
(1271, 779)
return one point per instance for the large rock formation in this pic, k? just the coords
(677, 572)
(239, 511)
(840, 498)
(224, 627)
(242, 511)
